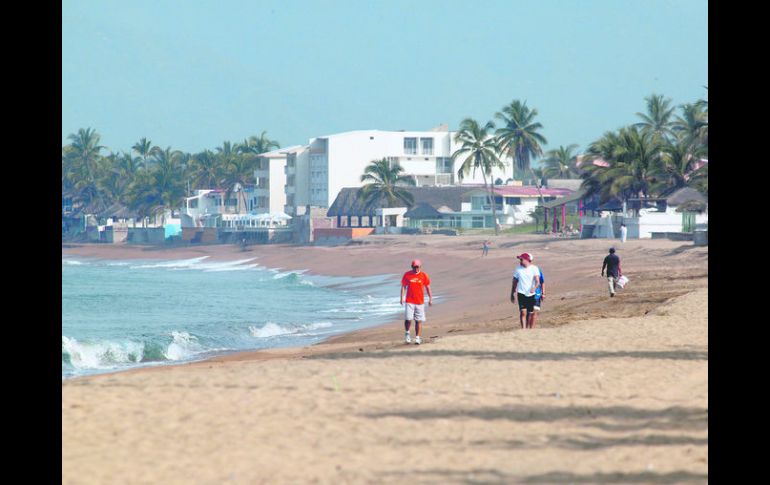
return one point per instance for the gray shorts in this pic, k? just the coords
(415, 312)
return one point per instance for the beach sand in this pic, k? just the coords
(604, 391)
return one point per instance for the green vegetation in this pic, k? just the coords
(659, 154)
(385, 184)
(148, 179)
(481, 153)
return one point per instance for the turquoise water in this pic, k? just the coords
(123, 314)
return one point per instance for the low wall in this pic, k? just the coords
(115, 234)
(200, 234)
(339, 235)
(673, 236)
(146, 235)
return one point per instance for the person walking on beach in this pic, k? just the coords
(485, 247)
(623, 232)
(414, 283)
(526, 280)
(612, 264)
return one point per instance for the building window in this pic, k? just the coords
(410, 146)
(194, 204)
(231, 202)
(513, 200)
(392, 161)
(427, 146)
(443, 165)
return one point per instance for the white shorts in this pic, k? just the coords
(415, 312)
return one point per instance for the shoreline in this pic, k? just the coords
(456, 315)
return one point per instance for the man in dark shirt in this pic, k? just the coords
(612, 264)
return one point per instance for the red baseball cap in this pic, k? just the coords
(416, 262)
(526, 256)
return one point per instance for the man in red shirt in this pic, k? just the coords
(412, 284)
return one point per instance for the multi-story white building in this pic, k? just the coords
(272, 180)
(315, 173)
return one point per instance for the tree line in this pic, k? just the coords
(149, 179)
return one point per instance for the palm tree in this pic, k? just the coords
(386, 184)
(167, 172)
(657, 119)
(238, 172)
(677, 165)
(144, 148)
(478, 151)
(206, 172)
(693, 123)
(143, 196)
(257, 145)
(84, 159)
(634, 159)
(519, 137)
(561, 162)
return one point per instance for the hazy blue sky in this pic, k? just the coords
(191, 74)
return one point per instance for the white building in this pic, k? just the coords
(314, 174)
(272, 180)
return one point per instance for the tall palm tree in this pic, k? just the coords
(634, 159)
(677, 164)
(561, 162)
(693, 123)
(258, 144)
(658, 118)
(207, 173)
(478, 151)
(385, 184)
(167, 172)
(84, 156)
(144, 149)
(519, 137)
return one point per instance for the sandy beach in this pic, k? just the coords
(603, 391)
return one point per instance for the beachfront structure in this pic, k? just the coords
(455, 206)
(316, 173)
(276, 183)
(676, 216)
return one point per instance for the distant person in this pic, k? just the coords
(526, 279)
(612, 264)
(485, 248)
(414, 283)
(623, 232)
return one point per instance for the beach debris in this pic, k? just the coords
(557, 395)
(360, 349)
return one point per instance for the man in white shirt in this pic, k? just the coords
(526, 280)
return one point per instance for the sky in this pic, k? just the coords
(192, 74)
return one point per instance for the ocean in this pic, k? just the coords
(119, 315)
